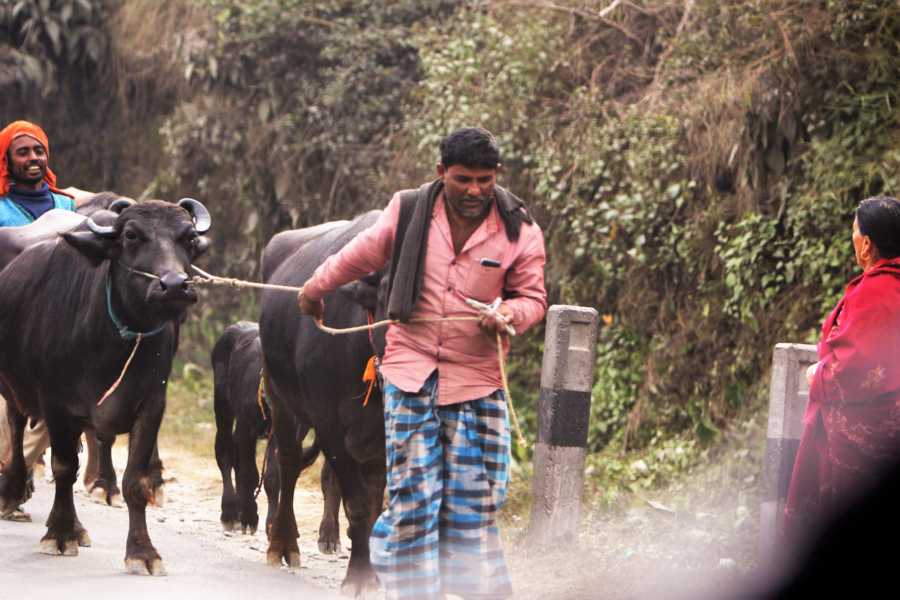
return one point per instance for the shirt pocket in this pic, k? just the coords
(484, 283)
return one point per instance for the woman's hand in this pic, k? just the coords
(811, 372)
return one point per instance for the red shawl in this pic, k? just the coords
(852, 421)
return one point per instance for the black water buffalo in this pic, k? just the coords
(315, 378)
(72, 311)
(100, 478)
(277, 250)
(241, 420)
(99, 474)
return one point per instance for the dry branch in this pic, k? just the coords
(787, 41)
(587, 14)
(688, 5)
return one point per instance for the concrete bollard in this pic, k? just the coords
(567, 374)
(788, 394)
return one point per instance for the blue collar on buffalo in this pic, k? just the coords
(124, 332)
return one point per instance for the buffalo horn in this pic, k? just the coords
(104, 231)
(108, 231)
(121, 204)
(202, 219)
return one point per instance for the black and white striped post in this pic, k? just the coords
(567, 375)
(788, 394)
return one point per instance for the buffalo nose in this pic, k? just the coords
(172, 282)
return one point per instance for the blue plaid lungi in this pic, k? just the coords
(448, 469)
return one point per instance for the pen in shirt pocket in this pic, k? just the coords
(489, 262)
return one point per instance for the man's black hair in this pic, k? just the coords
(879, 218)
(471, 147)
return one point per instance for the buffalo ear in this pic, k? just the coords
(93, 247)
(201, 243)
(360, 292)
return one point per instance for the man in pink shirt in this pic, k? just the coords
(446, 424)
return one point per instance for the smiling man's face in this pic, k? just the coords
(27, 161)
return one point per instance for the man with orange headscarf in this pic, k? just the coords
(27, 185)
(27, 190)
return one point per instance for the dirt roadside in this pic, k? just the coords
(201, 559)
(697, 549)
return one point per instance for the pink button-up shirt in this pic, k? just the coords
(463, 354)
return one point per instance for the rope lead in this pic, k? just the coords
(137, 342)
(209, 279)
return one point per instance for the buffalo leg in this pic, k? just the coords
(14, 479)
(360, 575)
(225, 458)
(375, 473)
(92, 468)
(142, 484)
(105, 487)
(247, 476)
(329, 529)
(64, 532)
(271, 478)
(283, 537)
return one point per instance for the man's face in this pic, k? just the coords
(27, 161)
(468, 191)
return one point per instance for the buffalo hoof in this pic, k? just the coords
(248, 529)
(55, 547)
(8, 501)
(291, 558)
(359, 583)
(229, 525)
(49, 547)
(138, 566)
(17, 514)
(70, 548)
(99, 495)
(84, 540)
(329, 546)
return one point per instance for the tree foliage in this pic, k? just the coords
(297, 107)
(90, 74)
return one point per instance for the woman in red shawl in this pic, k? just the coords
(852, 422)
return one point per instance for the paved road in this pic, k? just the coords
(199, 565)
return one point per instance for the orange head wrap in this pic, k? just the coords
(11, 132)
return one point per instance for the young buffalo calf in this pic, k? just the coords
(242, 418)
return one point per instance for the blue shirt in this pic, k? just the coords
(21, 207)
